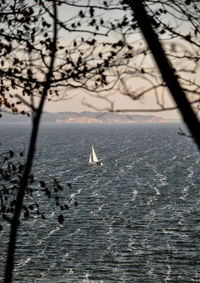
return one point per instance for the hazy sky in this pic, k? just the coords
(75, 103)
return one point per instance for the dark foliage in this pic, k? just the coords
(56, 194)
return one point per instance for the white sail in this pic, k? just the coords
(93, 159)
(94, 156)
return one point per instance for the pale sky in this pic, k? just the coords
(75, 103)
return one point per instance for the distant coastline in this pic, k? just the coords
(85, 118)
(106, 117)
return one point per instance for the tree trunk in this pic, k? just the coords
(29, 161)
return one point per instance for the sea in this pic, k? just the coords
(134, 219)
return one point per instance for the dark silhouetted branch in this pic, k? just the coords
(28, 165)
(166, 69)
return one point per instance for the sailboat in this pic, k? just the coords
(93, 159)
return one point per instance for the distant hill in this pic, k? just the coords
(103, 117)
(84, 117)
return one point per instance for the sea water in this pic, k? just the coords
(136, 218)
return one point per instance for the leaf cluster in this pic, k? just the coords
(11, 170)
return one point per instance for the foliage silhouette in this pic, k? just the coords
(101, 52)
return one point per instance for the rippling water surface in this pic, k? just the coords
(137, 219)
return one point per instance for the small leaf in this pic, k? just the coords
(14, 167)
(26, 214)
(43, 216)
(188, 2)
(81, 14)
(11, 153)
(60, 219)
(91, 12)
(105, 3)
(42, 184)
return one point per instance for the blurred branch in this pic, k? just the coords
(166, 70)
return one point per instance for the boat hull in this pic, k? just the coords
(96, 163)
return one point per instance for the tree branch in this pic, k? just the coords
(166, 70)
(28, 165)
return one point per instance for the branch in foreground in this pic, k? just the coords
(28, 165)
(166, 70)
